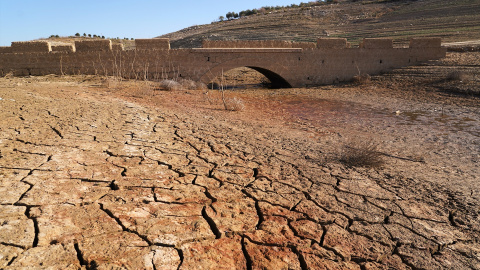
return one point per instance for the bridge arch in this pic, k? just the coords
(276, 80)
(275, 77)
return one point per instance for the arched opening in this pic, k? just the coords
(249, 77)
(276, 80)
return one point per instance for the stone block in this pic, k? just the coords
(6, 49)
(118, 47)
(63, 48)
(331, 43)
(376, 43)
(93, 45)
(256, 44)
(425, 43)
(31, 47)
(153, 44)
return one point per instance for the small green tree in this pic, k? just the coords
(84, 34)
(77, 34)
(221, 18)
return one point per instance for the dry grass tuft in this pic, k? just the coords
(143, 88)
(111, 82)
(192, 85)
(170, 85)
(233, 104)
(459, 76)
(361, 153)
(9, 75)
(361, 79)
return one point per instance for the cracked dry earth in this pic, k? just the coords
(90, 179)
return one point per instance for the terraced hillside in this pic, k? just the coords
(400, 20)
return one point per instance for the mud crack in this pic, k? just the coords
(211, 223)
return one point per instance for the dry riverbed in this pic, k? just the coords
(106, 178)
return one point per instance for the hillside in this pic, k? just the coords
(451, 20)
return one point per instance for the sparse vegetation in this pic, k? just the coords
(361, 153)
(460, 76)
(170, 85)
(233, 104)
(361, 79)
(393, 19)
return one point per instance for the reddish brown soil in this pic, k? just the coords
(131, 177)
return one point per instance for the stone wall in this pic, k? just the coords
(376, 43)
(63, 48)
(279, 61)
(256, 44)
(152, 44)
(332, 43)
(118, 47)
(6, 49)
(31, 47)
(93, 45)
(425, 42)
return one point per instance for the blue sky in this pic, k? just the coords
(22, 20)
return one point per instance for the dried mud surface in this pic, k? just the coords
(96, 178)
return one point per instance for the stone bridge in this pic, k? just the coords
(285, 64)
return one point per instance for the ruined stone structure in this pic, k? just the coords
(286, 64)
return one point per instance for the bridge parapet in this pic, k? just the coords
(425, 43)
(93, 45)
(376, 43)
(31, 47)
(152, 44)
(63, 48)
(256, 44)
(6, 49)
(332, 43)
(247, 50)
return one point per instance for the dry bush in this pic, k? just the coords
(201, 86)
(143, 89)
(459, 76)
(361, 153)
(192, 85)
(209, 98)
(111, 82)
(9, 75)
(233, 104)
(188, 84)
(170, 85)
(361, 79)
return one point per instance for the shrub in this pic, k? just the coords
(111, 82)
(192, 85)
(361, 79)
(233, 104)
(459, 76)
(361, 153)
(170, 85)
